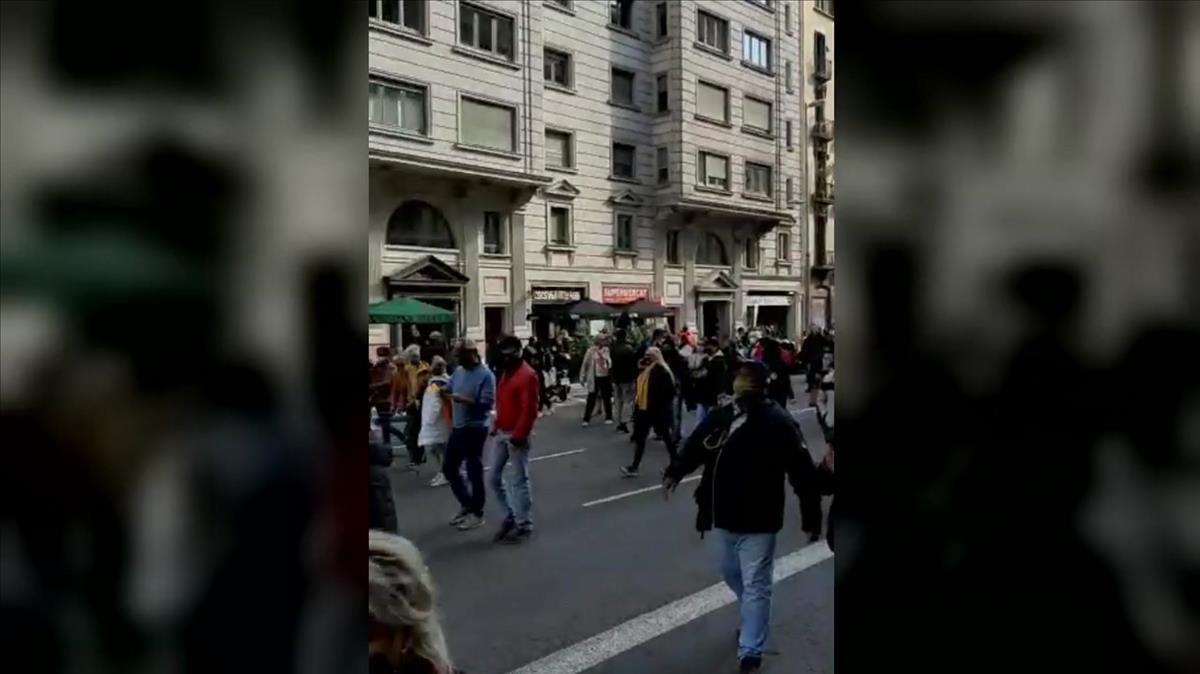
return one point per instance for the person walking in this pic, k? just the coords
(624, 374)
(712, 378)
(473, 390)
(747, 450)
(812, 354)
(683, 386)
(407, 389)
(594, 374)
(779, 384)
(437, 416)
(653, 407)
(383, 375)
(516, 410)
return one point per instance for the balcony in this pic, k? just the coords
(823, 130)
(824, 71)
(823, 190)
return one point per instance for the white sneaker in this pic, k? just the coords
(439, 480)
(470, 522)
(584, 424)
(608, 422)
(460, 518)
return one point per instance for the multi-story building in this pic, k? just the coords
(526, 153)
(817, 54)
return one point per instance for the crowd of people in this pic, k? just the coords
(739, 392)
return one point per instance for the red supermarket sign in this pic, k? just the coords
(623, 294)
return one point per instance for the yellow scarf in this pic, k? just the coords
(642, 399)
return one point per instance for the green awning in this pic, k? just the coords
(408, 310)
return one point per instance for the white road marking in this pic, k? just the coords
(608, 499)
(555, 456)
(633, 633)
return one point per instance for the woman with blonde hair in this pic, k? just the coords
(653, 407)
(404, 635)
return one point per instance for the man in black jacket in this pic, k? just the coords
(712, 378)
(747, 449)
(624, 373)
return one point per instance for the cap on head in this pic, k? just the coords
(509, 345)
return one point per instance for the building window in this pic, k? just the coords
(761, 3)
(791, 190)
(825, 6)
(407, 13)
(486, 31)
(758, 179)
(624, 231)
(712, 31)
(712, 251)
(660, 85)
(756, 50)
(788, 130)
(621, 13)
(560, 225)
(750, 253)
(557, 67)
(714, 170)
(485, 124)
(783, 246)
(787, 18)
(787, 70)
(673, 256)
(622, 87)
(662, 164)
(624, 163)
(660, 19)
(819, 50)
(416, 223)
(493, 233)
(819, 111)
(558, 150)
(712, 102)
(820, 225)
(756, 114)
(398, 105)
(565, 4)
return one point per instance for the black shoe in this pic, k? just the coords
(506, 527)
(629, 471)
(518, 535)
(749, 664)
(622, 428)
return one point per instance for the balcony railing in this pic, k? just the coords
(823, 130)
(823, 189)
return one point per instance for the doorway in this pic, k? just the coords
(714, 319)
(493, 326)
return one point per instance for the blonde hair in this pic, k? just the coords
(401, 595)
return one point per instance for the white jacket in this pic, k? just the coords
(435, 430)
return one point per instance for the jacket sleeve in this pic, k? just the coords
(487, 392)
(803, 477)
(528, 407)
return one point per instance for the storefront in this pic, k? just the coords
(546, 305)
(433, 282)
(769, 309)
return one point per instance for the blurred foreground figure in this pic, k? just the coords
(754, 443)
(404, 635)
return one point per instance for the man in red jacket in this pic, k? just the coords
(516, 410)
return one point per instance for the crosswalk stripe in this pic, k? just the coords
(555, 456)
(635, 492)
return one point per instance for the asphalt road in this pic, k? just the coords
(592, 568)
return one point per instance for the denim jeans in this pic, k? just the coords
(746, 562)
(510, 480)
(466, 446)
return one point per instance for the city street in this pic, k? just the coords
(615, 580)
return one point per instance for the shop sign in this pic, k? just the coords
(768, 301)
(613, 294)
(556, 294)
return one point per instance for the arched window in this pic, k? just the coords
(712, 251)
(416, 223)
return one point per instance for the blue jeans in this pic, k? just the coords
(466, 446)
(701, 412)
(746, 562)
(510, 480)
